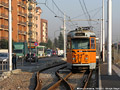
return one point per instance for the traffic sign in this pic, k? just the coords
(36, 43)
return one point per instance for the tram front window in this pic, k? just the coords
(80, 43)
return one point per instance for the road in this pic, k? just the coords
(33, 66)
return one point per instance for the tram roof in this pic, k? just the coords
(81, 33)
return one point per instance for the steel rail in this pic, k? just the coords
(38, 80)
(69, 87)
(87, 80)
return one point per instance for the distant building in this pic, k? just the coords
(44, 30)
(27, 26)
(19, 18)
(32, 23)
(38, 28)
(4, 19)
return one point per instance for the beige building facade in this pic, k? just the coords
(32, 22)
(38, 36)
(44, 30)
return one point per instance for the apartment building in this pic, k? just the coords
(19, 14)
(27, 25)
(38, 28)
(32, 22)
(19, 19)
(4, 19)
(44, 30)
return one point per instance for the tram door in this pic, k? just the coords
(69, 50)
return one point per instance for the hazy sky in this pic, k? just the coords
(73, 9)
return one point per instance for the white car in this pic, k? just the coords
(3, 57)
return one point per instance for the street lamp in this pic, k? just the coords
(64, 32)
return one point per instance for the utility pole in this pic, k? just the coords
(103, 34)
(64, 30)
(101, 38)
(10, 36)
(30, 42)
(109, 53)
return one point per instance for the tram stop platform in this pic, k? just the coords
(109, 82)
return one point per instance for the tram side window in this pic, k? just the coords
(92, 43)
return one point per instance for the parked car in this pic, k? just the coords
(31, 58)
(49, 54)
(3, 57)
(53, 52)
(60, 53)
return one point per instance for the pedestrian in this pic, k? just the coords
(14, 61)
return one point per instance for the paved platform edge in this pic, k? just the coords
(100, 83)
(115, 68)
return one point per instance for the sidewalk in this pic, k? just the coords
(109, 82)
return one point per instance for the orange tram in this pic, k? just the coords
(81, 48)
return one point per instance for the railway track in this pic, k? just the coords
(39, 81)
(64, 79)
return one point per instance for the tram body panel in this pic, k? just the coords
(81, 48)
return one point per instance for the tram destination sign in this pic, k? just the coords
(80, 34)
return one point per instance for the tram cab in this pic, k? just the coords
(81, 48)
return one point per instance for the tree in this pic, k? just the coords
(4, 44)
(56, 43)
(49, 44)
(61, 41)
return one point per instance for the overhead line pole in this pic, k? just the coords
(64, 30)
(109, 53)
(10, 36)
(101, 39)
(103, 33)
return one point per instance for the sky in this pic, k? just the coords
(77, 10)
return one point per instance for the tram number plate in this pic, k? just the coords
(79, 51)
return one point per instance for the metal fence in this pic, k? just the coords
(3, 66)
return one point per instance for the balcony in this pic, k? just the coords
(22, 32)
(2, 15)
(31, 39)
(6, 27)
(30, 32)
(21, 40)
(30, 7)
(22, 14)
(22, 23)
(3, 4)
(22, 4)
(30, 16)
(30, 24)
(2, 27)
(6, 5)
(3, 38)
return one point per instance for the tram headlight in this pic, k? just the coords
(74, 58)
(86, 58)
